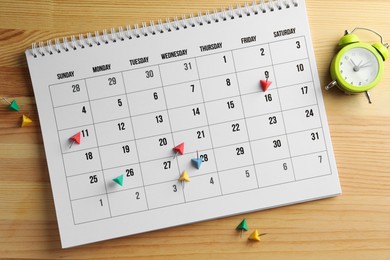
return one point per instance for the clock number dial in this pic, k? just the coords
(358, 67)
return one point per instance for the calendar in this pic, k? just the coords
(237, 89)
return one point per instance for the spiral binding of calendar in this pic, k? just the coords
(91, 40)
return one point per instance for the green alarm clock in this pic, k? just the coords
(358, 66)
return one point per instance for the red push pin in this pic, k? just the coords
(179, 149)
(265, 83)
(75, 139)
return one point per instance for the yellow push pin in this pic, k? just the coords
(255, 236)
(25, 121)
(184, 178)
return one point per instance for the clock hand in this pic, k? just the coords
(356, 67)
(354, 64)
(365, 65)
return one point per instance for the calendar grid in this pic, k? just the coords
(212, 124)
(227, 194)
(206, 104)
(319, 111)
(177, 107)
(171, 131)
(282, 158)
(233, 168)
(136, 146)
(261, 187)
(97, 145)
(211, 140)
(131, 103)
(281, 109)
(245, 120)
(62, 157)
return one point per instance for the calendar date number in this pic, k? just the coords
(93, 179)
(76, 88)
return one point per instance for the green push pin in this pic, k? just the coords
(243, 226)
(119, 180)
(12, 105)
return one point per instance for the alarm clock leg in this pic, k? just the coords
(368, 97)
(331, 85)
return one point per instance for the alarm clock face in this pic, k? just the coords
(359, 67)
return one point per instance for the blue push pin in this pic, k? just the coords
(197, 162)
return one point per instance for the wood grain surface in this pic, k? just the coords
(355, 225)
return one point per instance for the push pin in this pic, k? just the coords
(118, 180)
(265, 83)
(255, 236)
(75, 139)
(25, 121)
(12, 105)
(197, 162)
(242, 227)
(184, 178)
(179, 149)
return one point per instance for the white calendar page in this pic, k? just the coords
(260, 149)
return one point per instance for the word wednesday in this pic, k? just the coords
(174, 54)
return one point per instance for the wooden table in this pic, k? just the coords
(355, 225)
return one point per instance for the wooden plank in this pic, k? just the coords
(355, 225)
